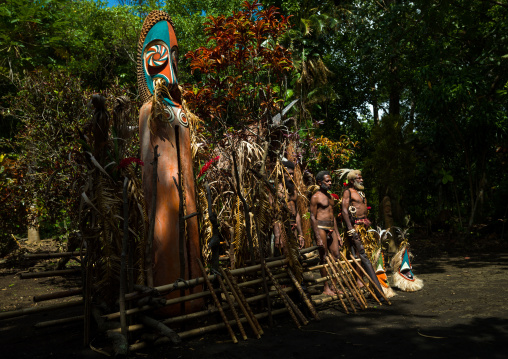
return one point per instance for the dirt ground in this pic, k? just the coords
(461, 312)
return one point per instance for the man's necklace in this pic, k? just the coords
(361, 195)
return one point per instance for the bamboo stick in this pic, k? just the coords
(192, 316)
(204, 330)
(374, 285)
(263, 276)
(87, 298)
(364, 285)
(313, 268)
(286, 300)
(244, 301)
(194, 282)
(351, 283)
(51, 273)
(303, 295)
(348, 298)
(56, 295)
(53, 255)
(181, 299)
(50, 323)
(232, 307)
(332, 274)
(336, 268)
(217, 303)
(240, 303)
(37, 310)
(195, 315)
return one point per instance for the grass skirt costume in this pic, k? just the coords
(358, 248)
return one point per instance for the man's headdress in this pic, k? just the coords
(348, 172)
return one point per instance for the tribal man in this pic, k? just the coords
(354, 213)
(323, 223)
(290, 197)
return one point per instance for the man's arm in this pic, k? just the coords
(313, 219)
(346, 198)
(336, 230)
(301, 239)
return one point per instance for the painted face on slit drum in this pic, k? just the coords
(157, 57)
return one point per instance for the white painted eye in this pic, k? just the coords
(171, 115)
(182, 118)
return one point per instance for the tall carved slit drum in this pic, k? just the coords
(161, 121)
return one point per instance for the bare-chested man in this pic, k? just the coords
(290, 196)
(323, 223)
(354, 213)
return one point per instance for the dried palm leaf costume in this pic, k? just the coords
(163, 123)
(378, 261)
(403, 277)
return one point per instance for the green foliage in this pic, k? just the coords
(243, 69)
(52, 109)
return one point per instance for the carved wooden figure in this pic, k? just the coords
(162, 123)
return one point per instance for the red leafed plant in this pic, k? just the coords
(207, 165)
(242, 69)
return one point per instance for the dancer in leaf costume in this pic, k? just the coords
(403, 277)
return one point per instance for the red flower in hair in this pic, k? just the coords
(127, 161)
(345, 184)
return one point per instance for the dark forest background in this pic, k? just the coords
(420, 88)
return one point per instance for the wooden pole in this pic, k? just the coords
(364, 284)
(348, 298)
(348, 265)
(241, 304)
(351, 283)
(313, 268)
(42, 309)
(232, 307)
(50, 323)
(56, 295)
(217, 303)
(263, 276)
(214, 310)
(87, 298)
(303, 295)
(335, 269)
(331, 276)
(194, 282)
(374, 285)
(287, 302)
(261, 245)
(51, 273)
(151, 224)
(123, 260)
(183, 299)
(204, 330)
(53, 255)
(244, 301)
(181, 220)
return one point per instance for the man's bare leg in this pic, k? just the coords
(323, 252)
